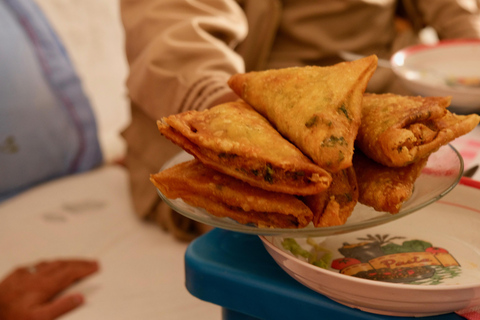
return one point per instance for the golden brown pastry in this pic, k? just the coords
(224, 196)
(385, 188)
(236, 140)
(399, 130)
(317, 108)
(335, 205)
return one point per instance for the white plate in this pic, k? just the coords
(440, 243)
(426, 69)
(442, 172)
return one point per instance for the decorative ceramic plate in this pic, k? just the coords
(424, 264)
(442, 172)
(448, 68)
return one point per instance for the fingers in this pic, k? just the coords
(78, 268)
(62, 273)
(46, 279)
(32, 292)
(46, 268)
(58, 307)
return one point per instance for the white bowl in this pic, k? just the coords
(427, 70)
(438, 248)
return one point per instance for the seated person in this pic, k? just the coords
(47, 130)
(47, 126)
(181, 54)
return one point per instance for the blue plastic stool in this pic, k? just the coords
(234, 271)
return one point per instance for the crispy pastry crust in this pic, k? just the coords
(385, 188)
(317, 108)
(399, 130)
(236, 140)
(335, 205)
(225, 196)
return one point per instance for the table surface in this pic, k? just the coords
(235, 271)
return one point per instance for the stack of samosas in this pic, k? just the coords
(283, 156)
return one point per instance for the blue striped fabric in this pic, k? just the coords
(47, 125)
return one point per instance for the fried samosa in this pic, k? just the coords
(317, 108)
(399, 130)
(235, 139)
(224, 196)
(335, 205)
(385, 188)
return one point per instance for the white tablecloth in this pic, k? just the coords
(90, 215)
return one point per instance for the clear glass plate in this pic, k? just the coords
(441, 174)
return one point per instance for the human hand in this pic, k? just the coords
(30, 293)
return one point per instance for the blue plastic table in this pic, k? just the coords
(234, 271)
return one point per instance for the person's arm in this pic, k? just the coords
(180, 52)
(451, 19)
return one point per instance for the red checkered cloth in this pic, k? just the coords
(472, 313)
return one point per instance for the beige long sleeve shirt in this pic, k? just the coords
(181, 52)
